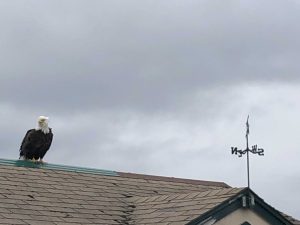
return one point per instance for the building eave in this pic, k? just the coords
(246, 199)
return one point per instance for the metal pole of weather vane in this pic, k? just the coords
(254, 150)
(247, 134)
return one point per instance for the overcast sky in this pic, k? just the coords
(158, 87)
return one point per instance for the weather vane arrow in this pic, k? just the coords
(253, 150)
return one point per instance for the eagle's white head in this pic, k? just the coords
(43, 124)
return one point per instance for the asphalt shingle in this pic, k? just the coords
(57, 197)
(37, 195)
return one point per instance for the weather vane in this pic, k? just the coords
(254, 150)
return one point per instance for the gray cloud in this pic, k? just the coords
(141, 55)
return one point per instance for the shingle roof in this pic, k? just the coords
(56, 195)
(177, 208)
(65, 196)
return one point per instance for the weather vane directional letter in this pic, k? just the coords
(254, 150)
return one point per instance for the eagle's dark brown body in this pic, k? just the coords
(35, 144)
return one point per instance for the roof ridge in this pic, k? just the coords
(204, 194)
(67, 168)
(173, 179)
(50, 166)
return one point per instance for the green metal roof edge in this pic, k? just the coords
(29, 164)
(267, 212)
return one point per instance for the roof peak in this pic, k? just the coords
(29, 164)
(50, 166)
(173, 179)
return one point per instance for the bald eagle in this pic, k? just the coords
(37, 141)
